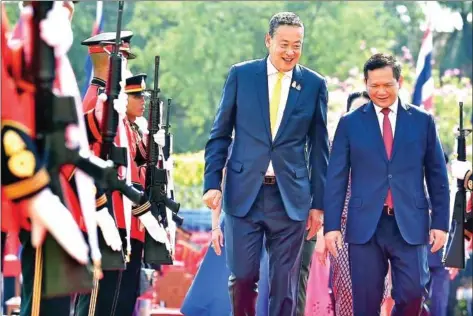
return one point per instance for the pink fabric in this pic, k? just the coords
(318, 302)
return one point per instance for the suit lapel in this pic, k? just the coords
(402, 130)
(371, 124)
(262, 88)
(292, 98)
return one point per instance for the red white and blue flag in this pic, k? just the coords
(97, 29)
(424, 86)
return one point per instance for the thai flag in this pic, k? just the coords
(98, 27)
(424, 87)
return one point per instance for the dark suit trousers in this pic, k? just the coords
(369, 265)
(244, 241)
(439, 287)
(59, 306)
(307, 251)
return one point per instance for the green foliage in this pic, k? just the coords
(188, 177)
(350, 42)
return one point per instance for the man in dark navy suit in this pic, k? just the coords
(278, 110)
(389, 148)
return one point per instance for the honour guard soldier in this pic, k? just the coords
(137, 131)
(99, 47)
(25, 180)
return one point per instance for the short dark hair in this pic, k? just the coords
(284, 18)
(355, 95)
(378, 61)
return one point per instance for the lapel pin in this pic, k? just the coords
(298, 87)
(293, 84)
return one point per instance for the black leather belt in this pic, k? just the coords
(388, 210)
(270, 180)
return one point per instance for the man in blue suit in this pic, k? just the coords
(389, 148)
(278, 111)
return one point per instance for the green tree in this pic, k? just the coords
(458, 49)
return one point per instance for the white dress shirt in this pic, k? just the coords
(392, 115)
(285, 85)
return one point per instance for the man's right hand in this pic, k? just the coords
(212, 198)
(333, 240)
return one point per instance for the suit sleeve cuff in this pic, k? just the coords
(318, 205)
(331, 228)
(212, 184)
(439, 225)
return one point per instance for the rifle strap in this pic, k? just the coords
(117, 293)
(37, 282)
(93, 297)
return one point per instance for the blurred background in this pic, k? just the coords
(198, 41)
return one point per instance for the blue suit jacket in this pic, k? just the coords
(299, 152)
(417, 153)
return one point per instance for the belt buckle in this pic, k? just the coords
(390, 210)
(269, 180)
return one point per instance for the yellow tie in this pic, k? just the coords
(275, 99)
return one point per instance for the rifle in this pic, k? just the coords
(454, 256)
(113, 260)
(157, 180)
(63, 275)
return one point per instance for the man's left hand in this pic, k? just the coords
(438, 239)
(314, 222)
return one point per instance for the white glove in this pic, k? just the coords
(56, 29)
(109, 229)
(159, 138)
(460, 168)
(47, 213)
(154, 228)
(99, 106)
(121, 103)
(169, 164)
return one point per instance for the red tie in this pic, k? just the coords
(388, 144)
